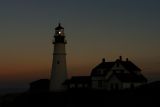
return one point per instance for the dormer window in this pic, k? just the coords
(101, 71)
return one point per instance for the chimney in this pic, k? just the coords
(120, 58)
(103, 60)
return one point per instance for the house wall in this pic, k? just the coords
(131, 85)
(72, 86)
(138, 84)
(126, 85)
(78, 85)
(113, 84)
(98, 83)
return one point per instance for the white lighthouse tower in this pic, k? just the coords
(59, 67)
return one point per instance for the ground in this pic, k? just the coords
(147, 95)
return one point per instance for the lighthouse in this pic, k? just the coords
(59, 67)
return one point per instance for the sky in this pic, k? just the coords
(94, 29)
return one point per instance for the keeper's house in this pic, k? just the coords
(115, 75)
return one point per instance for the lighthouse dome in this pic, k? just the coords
(59, 27)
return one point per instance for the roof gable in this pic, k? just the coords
(130, 66)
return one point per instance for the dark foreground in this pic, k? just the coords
(144, 96)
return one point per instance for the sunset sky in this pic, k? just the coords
(94, 29)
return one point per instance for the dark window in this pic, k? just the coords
(116, 86)
(117, 64)
(99, 83)
(122, 71)
(131, 85)
(112, 87)
(58, 62)
(114, 71)
(101, 71)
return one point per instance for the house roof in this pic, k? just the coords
(106, 66)
(78, 79)
(129, 77)
(130, 66)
